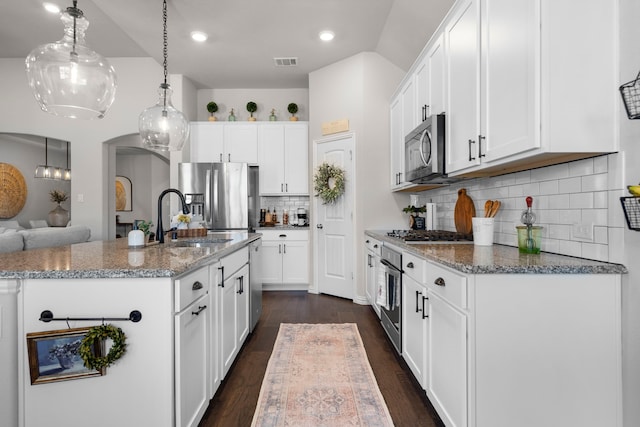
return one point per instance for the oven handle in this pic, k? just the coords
(389, 265)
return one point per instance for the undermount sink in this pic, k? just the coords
(200, 243)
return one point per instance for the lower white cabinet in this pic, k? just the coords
(414, 327)
(233, 308)
(372, 262)
(285, 259)
(192, 345)
(215, 371)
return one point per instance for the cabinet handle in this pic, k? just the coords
(375, 246)
(196, 286)
(284, 248)
(410, 265)
(366, 241)
(471, 142)
(220, 156)
(229, 156)
(424, 313)
(282, 235)
(221, 284)
(439, 281)
(279, 248)
(286, 187)
(369, 260)
(281, 187)
(201, 308)
(480, 138)
(418, 308)
(240, 285)
(399, 177)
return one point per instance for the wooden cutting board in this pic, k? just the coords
(463, 212)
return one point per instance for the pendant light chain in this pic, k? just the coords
(165, 43)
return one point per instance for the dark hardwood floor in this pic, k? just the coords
(235, 400)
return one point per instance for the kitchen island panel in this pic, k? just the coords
(138, 388)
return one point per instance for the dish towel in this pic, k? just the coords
(382, 300)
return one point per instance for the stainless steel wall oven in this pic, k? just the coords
(390, 311)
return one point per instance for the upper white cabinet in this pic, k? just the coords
(522, 90)
(402, 121)
(224, 142)
(283, 158)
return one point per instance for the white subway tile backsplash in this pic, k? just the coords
(580, 192)
(570, 185)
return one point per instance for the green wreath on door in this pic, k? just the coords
(329, 183)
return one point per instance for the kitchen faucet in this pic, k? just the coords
(185, 210)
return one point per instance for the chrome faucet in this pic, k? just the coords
(185, 210)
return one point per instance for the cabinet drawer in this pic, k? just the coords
(278, 235)
(373, 245)
(447, 284)
(191, 287)
(414, 267)
(235, 261)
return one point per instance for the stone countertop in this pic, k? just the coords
(284, 227)
(114, 259)
(499, 259)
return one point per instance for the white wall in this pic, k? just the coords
(25, 152)
(266, 99)
(358, 89)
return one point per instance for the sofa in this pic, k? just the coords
(13, 237)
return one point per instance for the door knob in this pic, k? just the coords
(319, 226)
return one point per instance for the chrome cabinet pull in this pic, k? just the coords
(201, 308)
(439, 281)
(196, 286)
(240, 285)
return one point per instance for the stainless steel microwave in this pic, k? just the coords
(424, 152)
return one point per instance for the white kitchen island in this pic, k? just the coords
(172, 365)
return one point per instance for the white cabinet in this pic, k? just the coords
(233, 307)
(215, 371)
(414, 317)
(283, 158)
(430, 80)
(373, 249)
(519, 101)
(402, 121)
(224, 142)
(285, 259)
(192, 345)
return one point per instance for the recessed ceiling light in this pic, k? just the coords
(199, 36)
(50, 7)
(326, 36)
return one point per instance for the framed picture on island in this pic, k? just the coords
(123, 194)
(53, 356)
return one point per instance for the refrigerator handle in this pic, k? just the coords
(216, 204)
(207, 198)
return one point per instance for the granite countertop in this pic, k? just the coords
(114, 259)
(499, 259)
(284, 227)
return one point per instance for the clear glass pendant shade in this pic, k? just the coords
(67, 77)
(163, 127)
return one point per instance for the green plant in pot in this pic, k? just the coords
(252, 107)
(414, 212)
(145, 227)
(212, 107)
(293, 109)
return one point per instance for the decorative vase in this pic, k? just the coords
(232, 117)
(66, 362)
(272, 118)
(183, 226)
(59, 217)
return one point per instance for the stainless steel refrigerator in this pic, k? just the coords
(224, 196)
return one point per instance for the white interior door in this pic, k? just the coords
(334, 251)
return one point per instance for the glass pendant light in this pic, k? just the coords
(69, 79)
(163, 127)
(66, 174)
(45, 171)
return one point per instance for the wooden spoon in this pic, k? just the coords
(487, 208)
(495, 206)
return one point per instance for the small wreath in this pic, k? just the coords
(329, 183)
(102, 332)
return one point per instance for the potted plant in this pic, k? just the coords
(183, 221)
(293, 109)
(58, 217)
(414, 212)
(212, 107)
(145, 227)
(252, 107)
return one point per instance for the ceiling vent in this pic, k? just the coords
(285, 62)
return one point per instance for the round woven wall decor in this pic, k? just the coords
(13, 191)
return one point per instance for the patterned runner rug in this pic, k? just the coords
(319, 375)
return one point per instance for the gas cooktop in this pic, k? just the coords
(421, 236)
